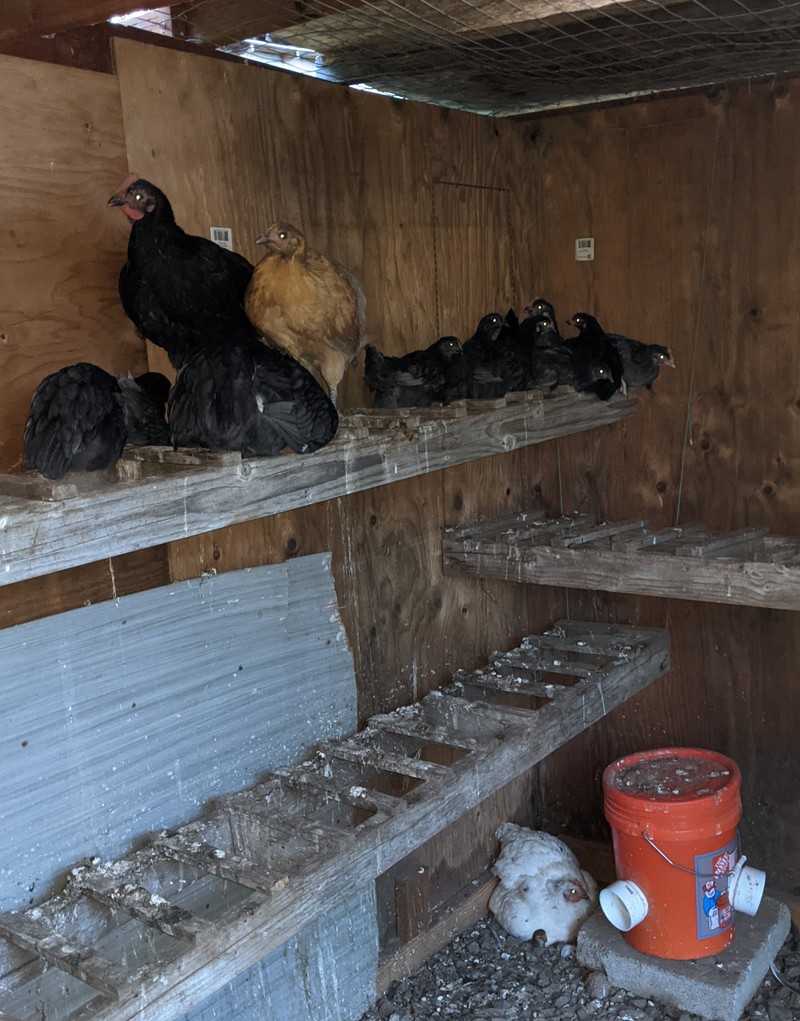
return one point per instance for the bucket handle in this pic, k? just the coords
(675, 865)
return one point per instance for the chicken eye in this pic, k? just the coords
(572, 891)
(283, 235)
(138, 197)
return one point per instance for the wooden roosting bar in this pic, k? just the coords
(159, 495)
(747, 566)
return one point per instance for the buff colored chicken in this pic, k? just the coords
(306, 304)
(543, 892)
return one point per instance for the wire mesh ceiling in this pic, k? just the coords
(504, 57)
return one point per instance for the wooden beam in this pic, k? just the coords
(44, 17)
(412, 896)
(220, 22)
(329, 26)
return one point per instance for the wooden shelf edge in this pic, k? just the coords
(173, 501)
(746, 568)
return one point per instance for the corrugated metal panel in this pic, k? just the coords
(123, 718)
(325, 973)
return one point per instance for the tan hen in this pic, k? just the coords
(307, 304)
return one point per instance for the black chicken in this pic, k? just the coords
(553, 361)
(144, 408)
(179, 290)
(81, 417)
(484, 369)
(419, 379)
(641, 362)
(248, 397)
(596, 357)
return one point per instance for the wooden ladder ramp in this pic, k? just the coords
(747, 566)
(154, 934)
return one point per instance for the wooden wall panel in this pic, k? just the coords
(704, 258)
(61, 155)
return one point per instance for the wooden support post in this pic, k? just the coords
(412, 898)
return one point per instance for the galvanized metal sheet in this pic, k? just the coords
(126, 717)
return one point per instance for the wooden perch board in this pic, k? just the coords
(747, 567)
(298, 844)
(165, 498)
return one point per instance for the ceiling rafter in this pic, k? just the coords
(24, 18)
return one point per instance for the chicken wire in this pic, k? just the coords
(506, 57)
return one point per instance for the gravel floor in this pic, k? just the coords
(486, 975)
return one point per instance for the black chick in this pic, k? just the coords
(144, 405)
(248, 397)
(540, 307)
(641, 362)
(419, 379)
(553, 361)
(484, 370)
(179, 289)
(594, 353)
(81, 417)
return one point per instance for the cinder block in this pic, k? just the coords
(718, 988)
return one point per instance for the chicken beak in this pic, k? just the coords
(116, 200)
(262, 239)
(669, 361)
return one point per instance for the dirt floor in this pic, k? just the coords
(486, 975)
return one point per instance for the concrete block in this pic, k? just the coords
(718, 988)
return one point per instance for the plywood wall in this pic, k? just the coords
(693, 205)
(62, 153)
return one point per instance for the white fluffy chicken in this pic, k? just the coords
(543, 891)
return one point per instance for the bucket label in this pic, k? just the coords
(712, 873)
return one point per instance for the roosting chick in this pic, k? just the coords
(418, 379)
(592, 350)
(179, 290)
(641, 363)
(307, 304)
(81, 417)
(248, 397)
(542, 886)
(484, 373)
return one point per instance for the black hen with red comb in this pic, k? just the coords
(180, 290)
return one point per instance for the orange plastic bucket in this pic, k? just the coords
(674, 814)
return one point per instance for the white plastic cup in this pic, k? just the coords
(746, 887)
(624, 904)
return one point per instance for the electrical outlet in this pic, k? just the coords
(584, 249)
(222, 236)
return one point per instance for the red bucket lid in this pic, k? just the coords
(685, 787)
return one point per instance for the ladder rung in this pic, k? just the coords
(64, 953)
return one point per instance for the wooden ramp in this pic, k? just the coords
(747, 567)
(154, 934)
